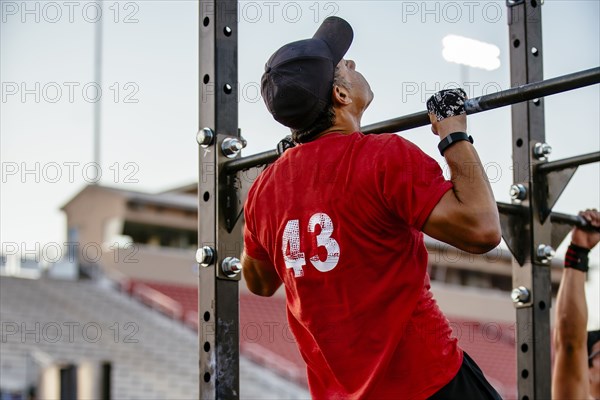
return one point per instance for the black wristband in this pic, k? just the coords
(451, 139)
(577, 258)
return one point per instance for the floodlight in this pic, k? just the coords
(471, 52)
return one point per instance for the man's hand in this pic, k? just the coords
(584, 238)
(448, 125)
(447, 112)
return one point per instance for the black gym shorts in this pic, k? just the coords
(469, 383)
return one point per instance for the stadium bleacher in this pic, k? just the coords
(152, 356)
(266, 339)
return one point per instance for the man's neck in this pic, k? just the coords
(345, 123)
(335, 129)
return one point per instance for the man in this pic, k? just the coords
(577, 354)
(339, 219)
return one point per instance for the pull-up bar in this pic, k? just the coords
(503, 98)
(555, 217)
(475, 105)
(569, 162)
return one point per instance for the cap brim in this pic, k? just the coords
(338, 35)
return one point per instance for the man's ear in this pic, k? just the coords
(340, 96)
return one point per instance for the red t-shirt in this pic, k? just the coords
(340, 218)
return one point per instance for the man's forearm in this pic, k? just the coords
(475, 206)
(471, 185)
(569, 378)
(571, 309)
(466, 217)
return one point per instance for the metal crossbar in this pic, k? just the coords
(473, 106)
(569, 162)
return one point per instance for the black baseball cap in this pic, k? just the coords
(298, 78)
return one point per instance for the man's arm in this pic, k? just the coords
(261, 276)
(467, 216)
(570, 376)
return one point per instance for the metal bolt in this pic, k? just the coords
(232, 146)
(541, 150)
(518, 192)
(205, 137)
(545, 253)
(205, 256)
(536, 102)
(520, 295)
(534, 51)
(231, 266)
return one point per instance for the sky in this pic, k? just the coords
(150, 96)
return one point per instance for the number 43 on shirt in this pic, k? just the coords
(291, 237)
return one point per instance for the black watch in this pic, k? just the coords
(451, 139)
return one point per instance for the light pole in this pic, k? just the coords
(98, 80)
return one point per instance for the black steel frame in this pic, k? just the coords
(529, 271)
(527, 230)
(219, 202)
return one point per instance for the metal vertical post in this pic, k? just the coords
(219, 200)
(531, 272)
